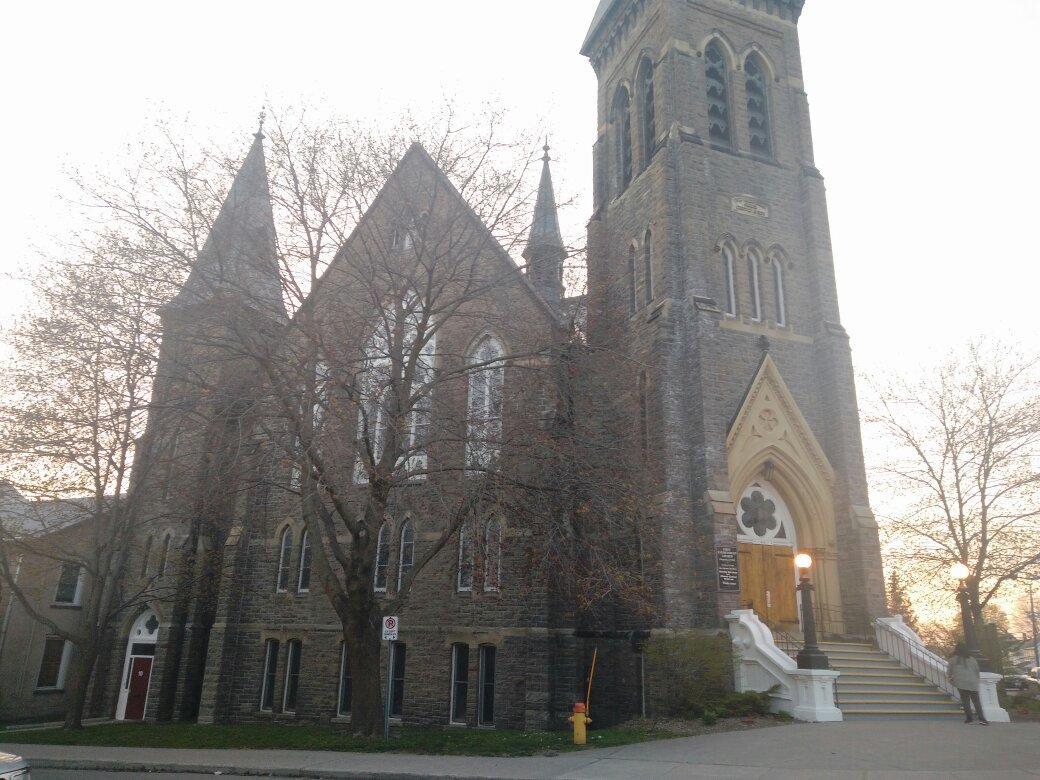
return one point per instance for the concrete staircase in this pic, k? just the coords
(874, 685)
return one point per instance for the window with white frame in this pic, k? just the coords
(466, 559)
(303, 581)
(53, 664)
(755, 283)
(486, 681)
(459, 682)
(378, 382)
(486, 385)
(285, 545)
(70, 585)
(270, 673)
(164, 555)
(382, 558)
(322, 393)
(778, 291)
(493, 555)
(346, 687)
(294, 649)
(730, 273)
(406, 558)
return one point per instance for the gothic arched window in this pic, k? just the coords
(779, 293)
(382, 558)
(758, 106)
(285, 545)
(648, 111)
(303, 582)
(621, 118)
(492, 555)
(717, 71)
(632, 300)
(755, 283)
(146, 555)
(164, 555)
(648, 267)
(729, 271)
(407, 555)
(486, 382)
(466, 558)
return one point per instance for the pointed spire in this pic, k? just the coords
(545, 251)
(239, 256)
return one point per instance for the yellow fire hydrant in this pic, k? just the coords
(580, 721)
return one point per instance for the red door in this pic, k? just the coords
(140, 674)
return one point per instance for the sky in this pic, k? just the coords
(925, 118)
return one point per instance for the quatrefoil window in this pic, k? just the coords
(759, 514)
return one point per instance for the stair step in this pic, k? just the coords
(906, 707)
(903, 697)
(879, 663)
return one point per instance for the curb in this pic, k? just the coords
(217, 770)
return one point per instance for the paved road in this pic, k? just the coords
(74, 774)
(854, 750)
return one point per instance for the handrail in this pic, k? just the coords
(906, 647)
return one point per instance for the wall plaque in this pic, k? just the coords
(727, 561)
(749, 206)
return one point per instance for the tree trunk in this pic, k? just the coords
(366, 709)
(82, 667)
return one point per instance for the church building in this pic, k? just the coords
(710, 271)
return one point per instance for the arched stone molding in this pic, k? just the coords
(729, 50)
(770, 440)
(754, 48)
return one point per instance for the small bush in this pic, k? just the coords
(709, 718)
(695, 671)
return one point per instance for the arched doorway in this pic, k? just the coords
(137, 667)
(768, 541)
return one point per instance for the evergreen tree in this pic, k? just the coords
(899, 601)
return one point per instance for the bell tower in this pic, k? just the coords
(710, 269)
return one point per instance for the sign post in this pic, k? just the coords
(391, 626)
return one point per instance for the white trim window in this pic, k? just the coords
(303, 581)
(164, 557)
(459, 683)
(492, 556)
(270, 674)
(464, 580)
(778, 292)
(729, 270)
(382, 558)
(322, 391)
(486, 385)
(754, 281)
(70, 585)
(406, 557)
(486, 683)
(345, 692)
(285, 545)
(376, 380)
(54, 664)
(290, 696)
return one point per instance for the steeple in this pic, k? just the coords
(239, 257)
(545, 252)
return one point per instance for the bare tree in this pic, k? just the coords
(963, 453)
(75, 399)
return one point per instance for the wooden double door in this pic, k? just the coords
(767, 584)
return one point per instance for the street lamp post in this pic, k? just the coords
(810, 656)
(962, 574)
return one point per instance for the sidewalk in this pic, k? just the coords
(866, 750)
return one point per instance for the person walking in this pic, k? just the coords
(963, 672)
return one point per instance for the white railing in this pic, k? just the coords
(761, 666)
(902, 643)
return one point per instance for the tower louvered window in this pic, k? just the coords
(758, 107)
(718, 95)
(649, 127)
(622, 119)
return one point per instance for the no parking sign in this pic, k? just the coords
(390, 628)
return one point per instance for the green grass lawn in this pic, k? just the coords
(434, 741)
